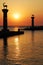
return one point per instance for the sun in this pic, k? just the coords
(16, 16)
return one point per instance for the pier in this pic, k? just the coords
(33, 27)
(5, 31)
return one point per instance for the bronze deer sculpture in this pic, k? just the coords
(4, 5)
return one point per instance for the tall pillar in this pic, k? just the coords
(5, 11)
(32, 21)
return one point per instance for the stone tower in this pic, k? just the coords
(5, 11)
(32, 21)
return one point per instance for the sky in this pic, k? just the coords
(24, 10)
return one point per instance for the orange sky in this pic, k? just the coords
(25, 8)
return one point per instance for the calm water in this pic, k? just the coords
(24, 49)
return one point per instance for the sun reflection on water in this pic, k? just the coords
(16, 41)
(15, 29)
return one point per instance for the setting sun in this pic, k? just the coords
(16, 16)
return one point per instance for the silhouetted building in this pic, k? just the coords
(5, 11)
(32, 21)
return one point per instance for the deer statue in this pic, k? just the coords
(5, 6)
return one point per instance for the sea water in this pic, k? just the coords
(26, 49)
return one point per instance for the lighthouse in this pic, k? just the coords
(32, 18)
(5, 11)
